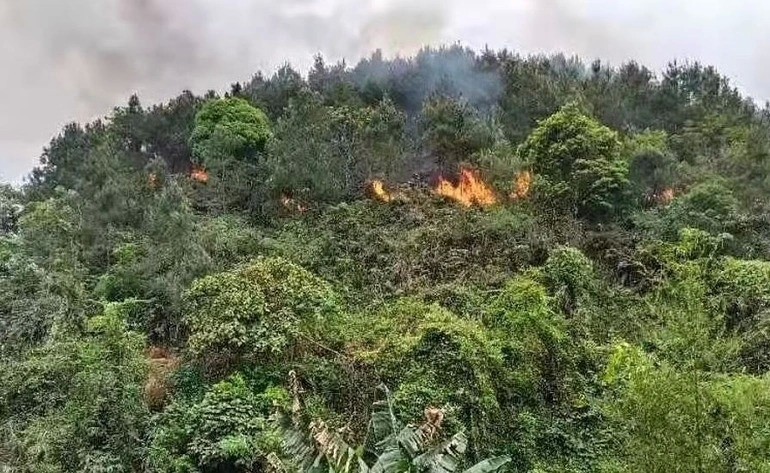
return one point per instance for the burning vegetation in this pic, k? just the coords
(377, 191)
(199, 174)
(470, 190)
(522, 186)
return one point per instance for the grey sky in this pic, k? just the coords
(65, 60)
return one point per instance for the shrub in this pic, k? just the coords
(577, 163)
(230, 126)
(223, 431)
(75, 404)
(570, 276)
(256, 309)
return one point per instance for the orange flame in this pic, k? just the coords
(469, 190)
(522, 186)
(377, 189)
(200, 175)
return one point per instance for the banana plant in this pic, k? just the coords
(398, 448)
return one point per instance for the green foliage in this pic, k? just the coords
(227, 414)
(230, 126)
(410, 448)
(571, 277)
(259, 308)
(225, 430)
(577, 161)
(432, 358)
(10, 208)
(412, 249)
(229, 240)
(453, 133)
(50, 228)
(33, 301)
(535, 337)
(709, 206)
(229, 140)
(694, 244)
(396, 448)
(324, 153)
(158, 262)
(741, 290)
(746, 285)
(123, 282)
(42, 278)
(74, 404)
(500, 163)
(652, 166)
(614, 319)
(693, 335)
(706, 423)
(66, 159)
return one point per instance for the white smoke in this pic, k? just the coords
(76, 59)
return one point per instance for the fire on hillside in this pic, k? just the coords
(470, 190)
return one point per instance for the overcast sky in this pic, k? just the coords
(65, 60)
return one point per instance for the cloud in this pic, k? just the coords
(75, 60)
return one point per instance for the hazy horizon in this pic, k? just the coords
(75, 62)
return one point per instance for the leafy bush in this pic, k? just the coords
(75, 404)
(34, 301)
(409, 340)
(577, 163)
(709, 206)
(744, 287)
(328, 154)
(225, 430)
(256, 309)
(453, 132)
(312, 446)
(570, 276)
(229, 240)
(741, 291)
(707, 422)
(10, 209)
(231, 126)
(652, 167)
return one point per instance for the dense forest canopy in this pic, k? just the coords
(459, 261)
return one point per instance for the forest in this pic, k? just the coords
(458, 262)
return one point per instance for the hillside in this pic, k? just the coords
(458, 260)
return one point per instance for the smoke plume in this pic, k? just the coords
(76, 59)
